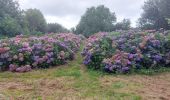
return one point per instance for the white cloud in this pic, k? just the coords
(69, 12)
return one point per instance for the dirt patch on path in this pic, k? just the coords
(155, 87)
(148, 87)
(14, 85)
(27, 90)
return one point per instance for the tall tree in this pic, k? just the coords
(96, 19)
(72, 30)
(123, 25)
(11, 22)
(155, 14)
(56, 28)
(36, 21)
(10, 8)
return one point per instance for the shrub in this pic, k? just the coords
(127, 51)
(21, 54)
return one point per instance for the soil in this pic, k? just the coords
(150, 87)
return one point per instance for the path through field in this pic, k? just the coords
(74, 82)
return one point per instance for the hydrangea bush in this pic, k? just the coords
(22, 54)
(125, 51)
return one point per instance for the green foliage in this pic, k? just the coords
(106, 47)
(106, 50)
(143, 24)
(96, 19)
(56, 28)
(73, 30)
(35, 21)
(9, 8)
(168, 37)
(9, 26)
(155, 14)
(124, 25)
(3, 37)
(168, 21)
(114, 34)
(11, 18)
(13, 21)
(96, 59)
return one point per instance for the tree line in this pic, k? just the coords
(156, 15)
(15, 21)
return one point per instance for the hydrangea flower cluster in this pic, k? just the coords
(22, 54)
(127, 51)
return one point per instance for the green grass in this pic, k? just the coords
(151, 72)
(118, 85)
(74, 73)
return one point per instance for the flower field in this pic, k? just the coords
(127, 51)
(116, 52)
(22, 54)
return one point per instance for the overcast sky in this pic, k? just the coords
(69, 12)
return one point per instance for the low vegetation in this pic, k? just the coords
(127, 51)
(22, 54)
(73, 81)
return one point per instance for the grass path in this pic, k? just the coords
(74, 82)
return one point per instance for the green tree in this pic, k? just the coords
(144, 24)
(168, 21)
(155, 14)
(36, 21)
(73, 30)
(10, 8)
(9, 26)
(123, 25)
(11, 18)
(56, 28)
(96, 19)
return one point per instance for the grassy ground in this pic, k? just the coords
(74, 82)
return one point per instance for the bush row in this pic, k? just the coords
(126, 51)
(23, 53)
